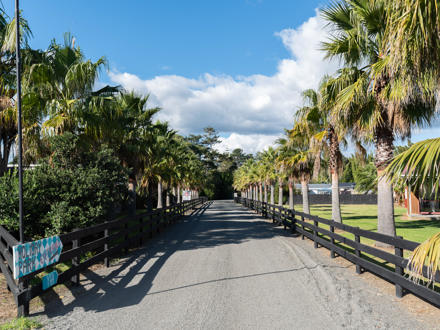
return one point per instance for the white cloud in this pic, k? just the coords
(250, 143)
(252, 109)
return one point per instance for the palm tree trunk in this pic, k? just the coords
(159, 194)
(336, 207)
(272, 194)
(280, 192)
(178, 193)
(384, 140)
(4, 155)
(132, 195)
(334, 161)
(316, 165)
(305, 195)
(167, 200)
(265, 193)
(260, 198)
(150, 198)
(291, 194)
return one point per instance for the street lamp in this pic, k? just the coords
(20, 137)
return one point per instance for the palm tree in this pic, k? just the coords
(268, 159)
(8, 111)
(315, 120)
(285, 153)
(413, 27)
(419, 167)
(281, 174)
(359, 41)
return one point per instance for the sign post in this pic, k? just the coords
(50, 280)
(186, 196)
(33, 256)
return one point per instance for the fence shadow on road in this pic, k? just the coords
(131, 279)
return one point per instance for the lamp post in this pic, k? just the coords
(20, 137)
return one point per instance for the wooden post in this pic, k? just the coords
(75, 261)
(284, 221)
(293, 222)
(332, 240)
(399, 270)
(126, 238)
(106, 259)
(303, 228)
(151, 225)
(23, 304)
(315, 234)
(357, 239)
(141, 230)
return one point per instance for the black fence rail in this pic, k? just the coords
(329, 234)
(83, 248)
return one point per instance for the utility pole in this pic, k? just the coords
(20, 137)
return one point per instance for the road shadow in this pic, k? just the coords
(131, 279)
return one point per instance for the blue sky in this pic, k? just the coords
(186, 38)
(236, 65)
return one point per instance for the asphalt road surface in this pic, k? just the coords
(226, 268)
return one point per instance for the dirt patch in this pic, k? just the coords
(8, 309)
(7, 303)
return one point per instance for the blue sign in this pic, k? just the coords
(50, 280)
(33, 256)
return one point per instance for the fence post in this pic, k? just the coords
(332, 240)
(357, 239)
(399, 270)
(151, 225)
(75, 261)
(106, 259)
(126, 238)
(315, 234)
(293, 219)
(284, 220)
(141, 230)
(23, 303)
(303, 228)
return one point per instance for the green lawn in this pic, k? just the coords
(365, 217)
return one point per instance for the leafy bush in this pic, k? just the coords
(365, 176)
(72, 188)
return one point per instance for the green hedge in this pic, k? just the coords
(71, 188)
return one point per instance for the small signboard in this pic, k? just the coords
(32, 256)
(50, 280)
(186, 196)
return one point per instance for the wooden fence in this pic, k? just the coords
(83, 248)
(389, 266)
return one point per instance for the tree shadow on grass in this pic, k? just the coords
(415, 224)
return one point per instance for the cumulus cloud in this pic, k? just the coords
(251, 143)
(253, 109)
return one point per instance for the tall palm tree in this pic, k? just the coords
(285, 153)
(268, 160)
(315, 120)
(65, 80)
(413, 56)
(281, 173)
(359, 41)
(8, 111)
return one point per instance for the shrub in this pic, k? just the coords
(72, 188)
